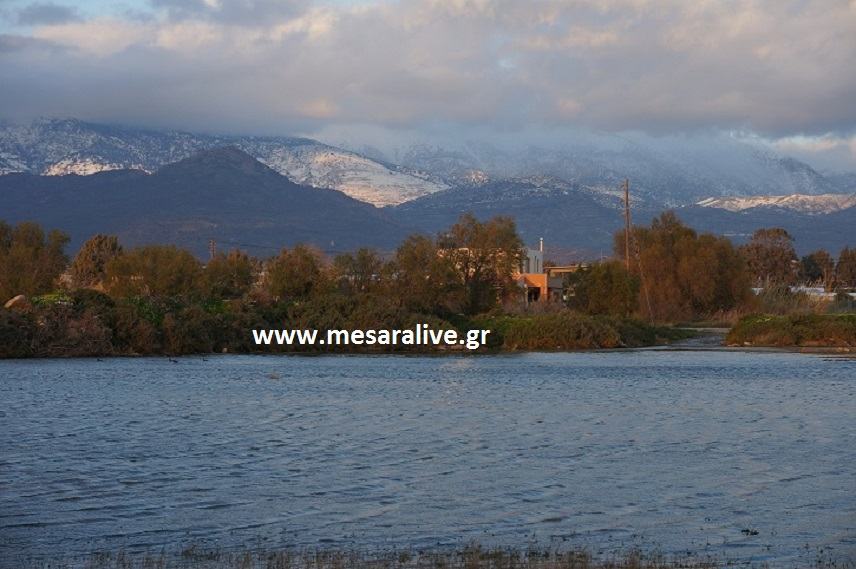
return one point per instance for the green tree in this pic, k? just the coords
(771, 256)
(846, 268)
(605, 288)
(684, 275)
(30, 261)
(153, 270)
(229, 275)
(90, 263)
(485, 257)
(360, 272)
(818, 267)
(295, 274)
(422, 279)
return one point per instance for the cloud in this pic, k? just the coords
(777, 67)
(240, 12)
(828, 151)
(46, 13)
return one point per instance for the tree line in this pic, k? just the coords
(162, 299)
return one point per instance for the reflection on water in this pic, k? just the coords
(676, 450)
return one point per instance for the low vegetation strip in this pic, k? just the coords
(569, 330)
(473, 557)
(803, 330)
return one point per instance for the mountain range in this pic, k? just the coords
(260, 193)
(222, 194)
(58, 147)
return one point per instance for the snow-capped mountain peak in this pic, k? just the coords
(817, 204)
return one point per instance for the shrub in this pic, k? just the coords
(16, 334)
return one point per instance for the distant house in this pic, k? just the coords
(540, 283)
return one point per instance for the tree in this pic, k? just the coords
(818, 267)
(422, 279)
(605, 288)
(360, 272)
(770, 254)
(485, 257)
(846, 268)
(153, 270)
(90, 263)
(229, 275)
(30, 261)
(294, 274)
(684, 275)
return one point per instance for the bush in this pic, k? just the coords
(16, 334)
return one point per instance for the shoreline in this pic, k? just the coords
(845, 352)
(469, 556)
(700, 340)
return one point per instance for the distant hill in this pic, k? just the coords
(811, 231)
(571, 217)
(565, 215)
(222, 194)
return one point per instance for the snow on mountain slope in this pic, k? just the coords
(60, 147)
(819, 204)
(662, 170)
(84, 166)
(361, 178)
(666, 170)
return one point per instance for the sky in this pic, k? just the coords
(780, 72)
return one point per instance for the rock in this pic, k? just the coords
(18, 303)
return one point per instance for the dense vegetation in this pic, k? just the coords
(160, 299)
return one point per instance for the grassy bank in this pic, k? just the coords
(568, 330)
(801, 330)
(472, 557)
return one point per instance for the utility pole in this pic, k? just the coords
(636, 250)
(627, 223)
(212, 248)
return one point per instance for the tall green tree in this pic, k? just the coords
(423, 279)
(229, 275)
(485, 257)
(604, 288)
(90, 264)
(30, 261)
(846, 268)
(684, 275)
(818, 268)
(153, 270)
(295, 274)
(360, 272)
(771, 257)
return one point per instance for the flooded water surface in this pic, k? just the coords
(740, 455)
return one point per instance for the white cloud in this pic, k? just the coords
(779, 67)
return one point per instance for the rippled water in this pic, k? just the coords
(675, 450)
